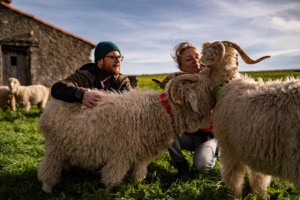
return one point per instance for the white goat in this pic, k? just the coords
(256, 123)
(6, 99)
(29, 95)
(122, 134)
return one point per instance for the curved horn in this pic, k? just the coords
(162, 84)
(243, 54)
(212, 53)
(185, 77)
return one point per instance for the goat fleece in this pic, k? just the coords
(6, 99)
(121, 135)
(29, 95)
(256, 123)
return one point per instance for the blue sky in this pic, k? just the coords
(147, 31)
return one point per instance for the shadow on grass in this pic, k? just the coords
(75, 184)
(11, 116)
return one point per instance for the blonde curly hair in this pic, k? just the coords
(179, 49)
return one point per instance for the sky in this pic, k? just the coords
(146, 31)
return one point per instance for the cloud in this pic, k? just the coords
(284, 24)
(147, 30)
(286, 52)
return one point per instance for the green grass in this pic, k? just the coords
(266, 75)
(21, 151)
(146, 82)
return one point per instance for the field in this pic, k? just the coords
(21, 151)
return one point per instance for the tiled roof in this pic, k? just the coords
(46, 23)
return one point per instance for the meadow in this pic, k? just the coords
(21, 151)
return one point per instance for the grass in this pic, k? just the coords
(21, 151)
(266, 75)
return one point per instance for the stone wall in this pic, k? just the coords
(53, 53)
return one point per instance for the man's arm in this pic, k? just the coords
(70, 89)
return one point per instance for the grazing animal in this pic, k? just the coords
(122, 134)
(29, 95)
(256, 123)
(6, 99)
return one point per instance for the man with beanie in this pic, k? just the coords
(104, 74)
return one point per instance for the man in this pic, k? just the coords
(104, 74)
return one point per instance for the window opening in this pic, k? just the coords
(13, 60)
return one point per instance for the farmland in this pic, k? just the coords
(21, 151)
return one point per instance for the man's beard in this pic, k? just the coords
(111, 70)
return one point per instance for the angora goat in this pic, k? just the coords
(29, 95)
(122, 134)
(256, 123)
(6, 99)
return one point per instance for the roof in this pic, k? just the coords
(46, 23)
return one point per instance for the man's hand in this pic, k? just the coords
(90, 98)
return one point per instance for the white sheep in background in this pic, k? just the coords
(122, 134)
(256, 123)
(29, 95)
(6, 99)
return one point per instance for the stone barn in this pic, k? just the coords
(36, 52)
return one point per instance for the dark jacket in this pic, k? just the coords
(89, 76)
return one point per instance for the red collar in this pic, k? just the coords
(208, 129)
(165, 103)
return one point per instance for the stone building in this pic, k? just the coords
(35, 51)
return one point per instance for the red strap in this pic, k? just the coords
(103, 81)
(208, 129)
(165, 103)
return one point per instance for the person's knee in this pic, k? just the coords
(205, 160)
(205, 163)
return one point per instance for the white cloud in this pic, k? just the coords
(285, 52)
(147, 30)
(284, 24)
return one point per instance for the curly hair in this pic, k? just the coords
(179, 49)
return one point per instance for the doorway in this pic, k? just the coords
(15, 62)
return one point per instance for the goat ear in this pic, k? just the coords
(193, 101)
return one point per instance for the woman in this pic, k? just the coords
(201, 142)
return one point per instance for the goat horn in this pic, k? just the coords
(243, 54)
(162, 84)
(184, 77)
(212, 53)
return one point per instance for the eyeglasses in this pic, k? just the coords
(114, 58)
